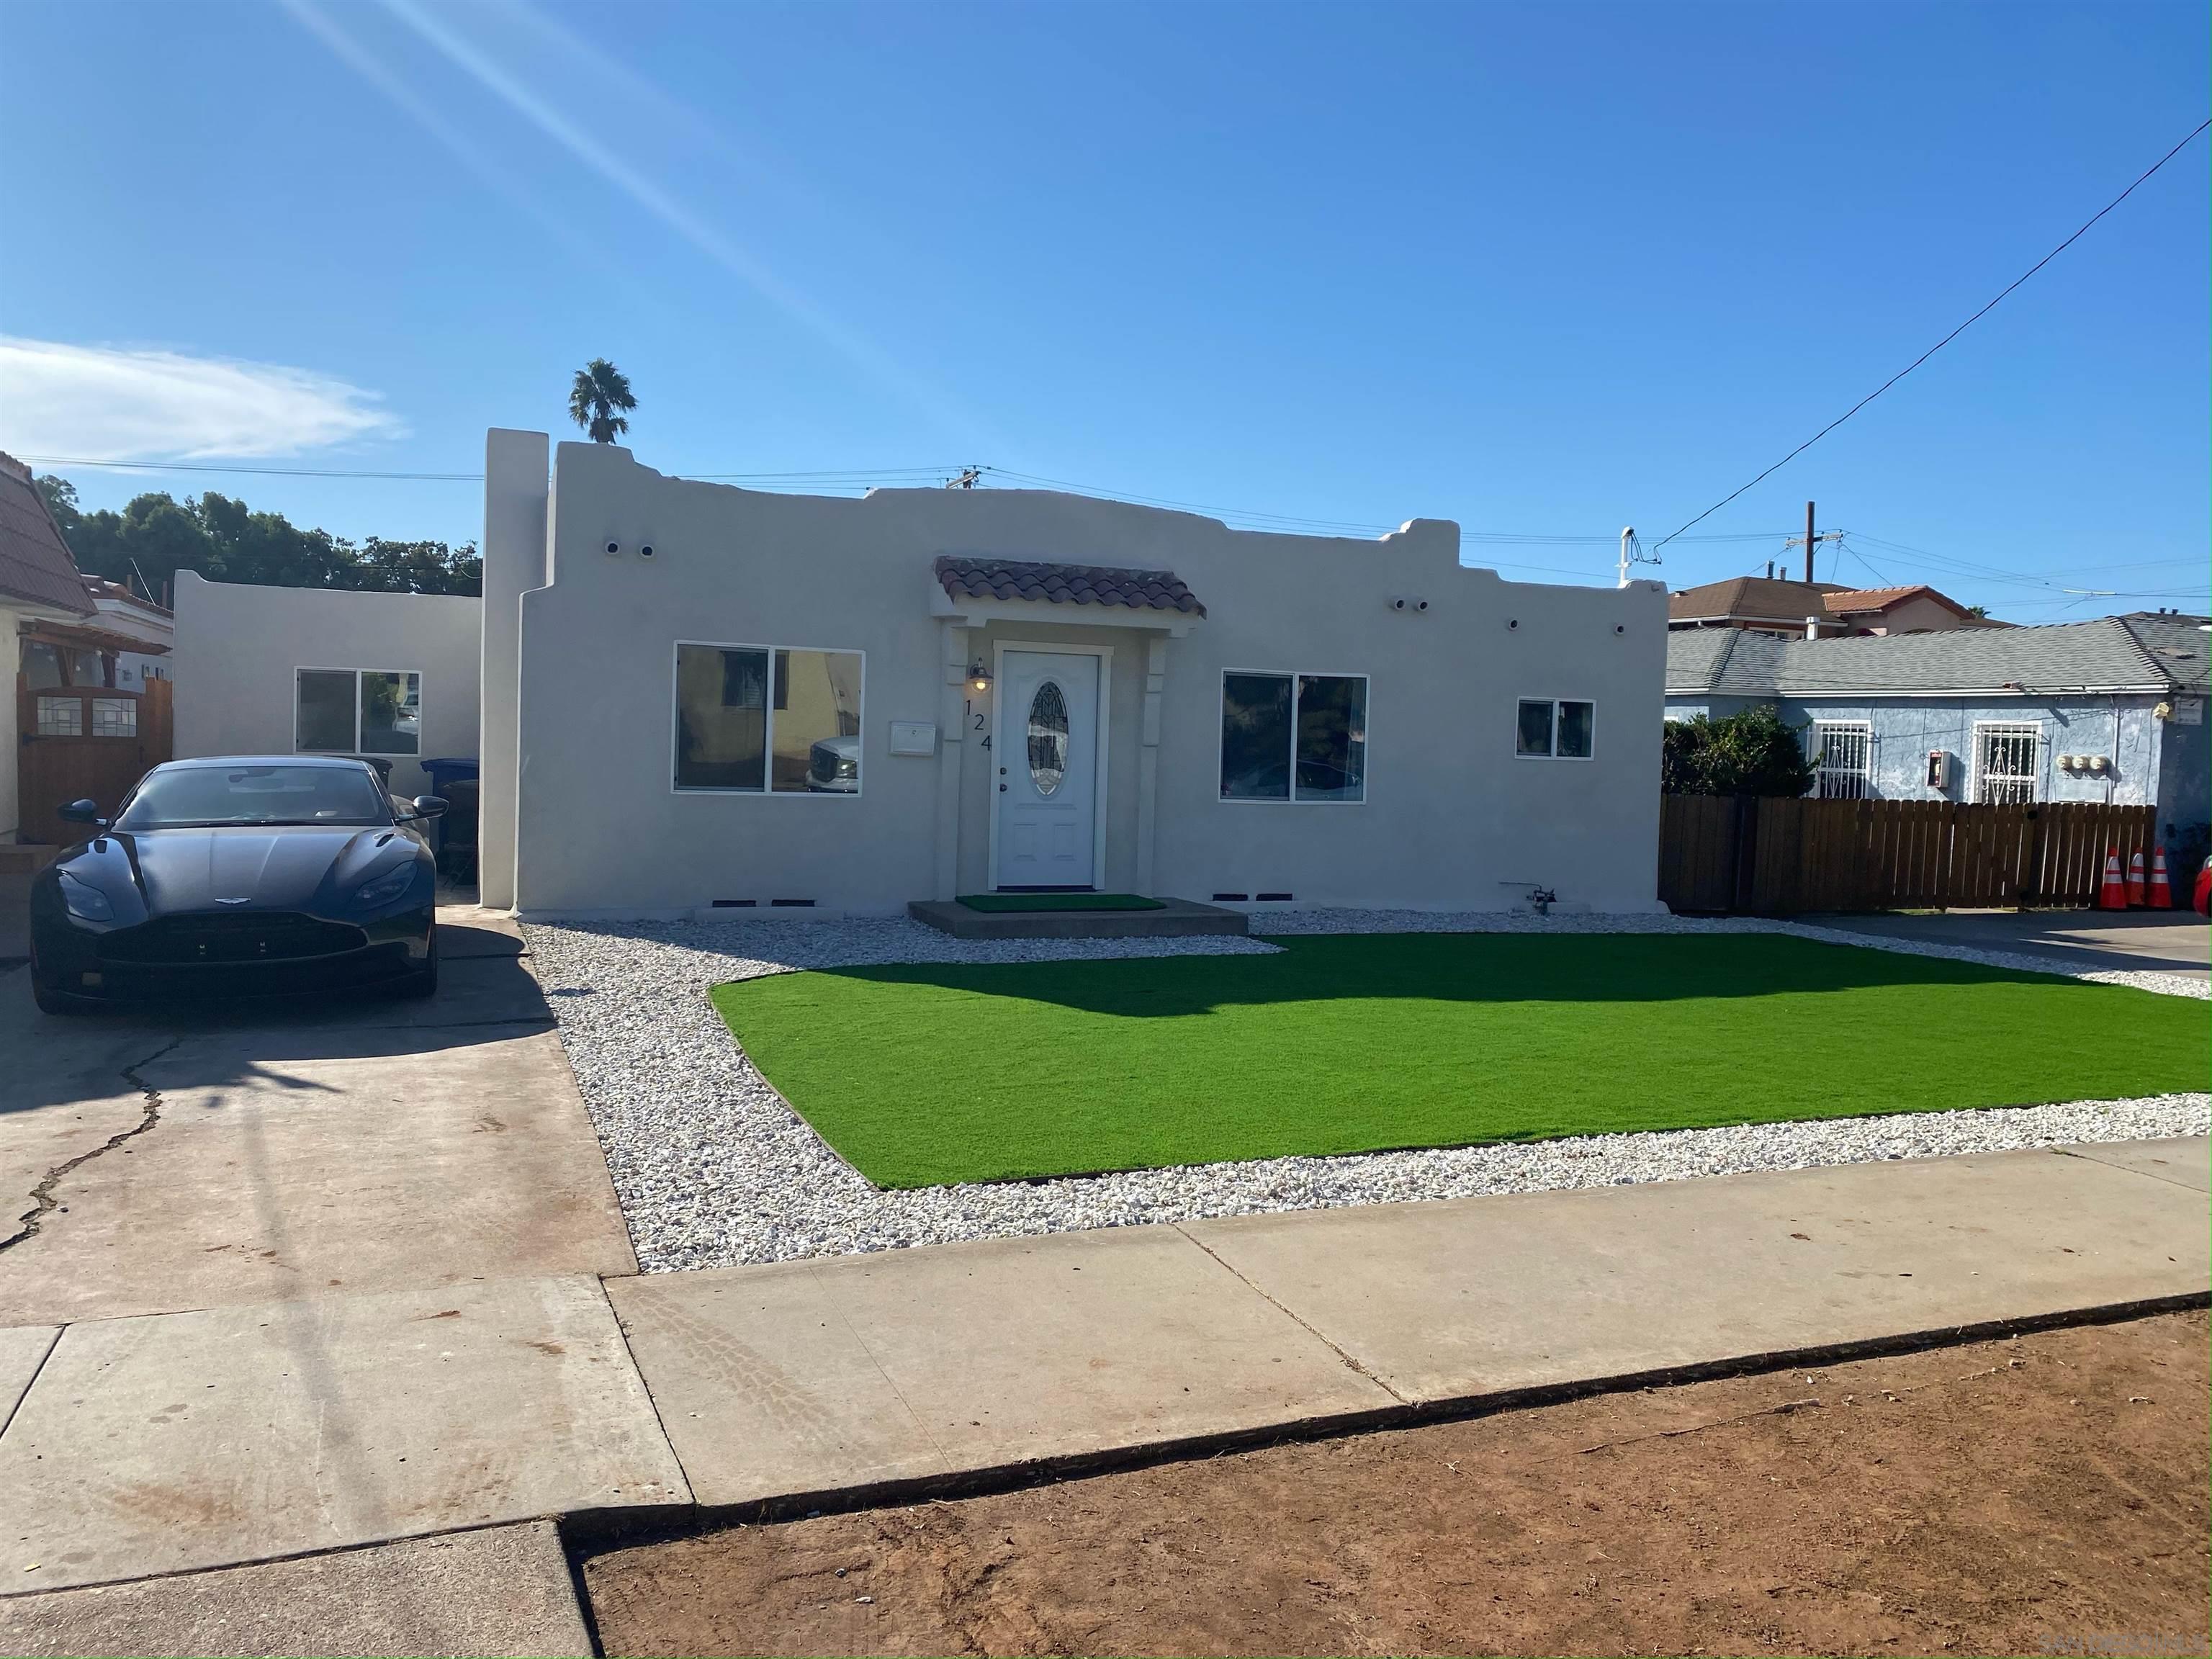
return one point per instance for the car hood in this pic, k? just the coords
(292, 868)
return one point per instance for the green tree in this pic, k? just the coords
(223, 539)
(598, 400)
(1756, 752)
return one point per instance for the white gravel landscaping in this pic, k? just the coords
(713, 1170)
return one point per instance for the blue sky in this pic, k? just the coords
(1543, 270)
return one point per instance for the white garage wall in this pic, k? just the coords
(239, 649)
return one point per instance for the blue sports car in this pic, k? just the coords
(241, 876)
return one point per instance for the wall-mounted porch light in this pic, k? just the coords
(978, 675)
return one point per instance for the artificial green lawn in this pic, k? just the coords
(920, 1074)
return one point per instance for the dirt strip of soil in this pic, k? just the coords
(2046, 1494)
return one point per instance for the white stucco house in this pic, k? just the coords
(699, 699)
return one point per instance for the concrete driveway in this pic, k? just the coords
(2159, 941)
(189, 1157)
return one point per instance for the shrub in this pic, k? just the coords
(1756, 752)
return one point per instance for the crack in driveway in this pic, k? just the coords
(42, 1200)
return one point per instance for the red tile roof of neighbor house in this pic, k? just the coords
(35, 565)
(972, 578)
(1880, 599)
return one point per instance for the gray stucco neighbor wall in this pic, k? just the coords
(241, 647)
(1452, 819)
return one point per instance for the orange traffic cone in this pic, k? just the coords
(2136, 880)
(2113, 895)
(2161, 894)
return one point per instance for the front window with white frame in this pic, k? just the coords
(1548, 728)
(2006, 764)
(767, 719)
(1287, 737)
(1843, 756)
(357, 711)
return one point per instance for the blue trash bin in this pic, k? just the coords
(444, 774)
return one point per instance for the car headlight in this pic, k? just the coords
(85, 900)
(386, 887)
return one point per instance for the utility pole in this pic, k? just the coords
(1813, 539)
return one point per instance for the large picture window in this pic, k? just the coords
(1555, 729)
(357, 711)
(763, 720)
(1294, 737)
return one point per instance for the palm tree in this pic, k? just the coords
(600, 390)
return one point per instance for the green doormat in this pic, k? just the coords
(1058, 901)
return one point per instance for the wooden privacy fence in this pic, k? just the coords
(1778, 857)
(93, 742)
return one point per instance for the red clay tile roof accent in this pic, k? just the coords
(1066, 584)
(1880, 599)
(35, 565)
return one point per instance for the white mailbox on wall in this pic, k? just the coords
(913, 738)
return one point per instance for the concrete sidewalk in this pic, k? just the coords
(811, 1378)
(181, 1442)
(2137, 941)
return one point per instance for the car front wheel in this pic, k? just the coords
(423, 982)
(50, 1000)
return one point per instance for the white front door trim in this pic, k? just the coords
(1052, 647)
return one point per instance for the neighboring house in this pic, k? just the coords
(1919, 609)
(2108, 710)
(1765, 604)
(698, 698)
(1796, 610)
(43, 610)
(144, 633)
(389, 677)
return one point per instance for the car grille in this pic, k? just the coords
(251, 936)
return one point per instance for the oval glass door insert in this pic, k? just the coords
(1048, 738)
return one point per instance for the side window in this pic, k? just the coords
(1547, 728)
(357, 711)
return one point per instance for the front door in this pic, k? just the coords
(1046, 769)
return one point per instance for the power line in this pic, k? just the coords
(261, 471)
(850, 474)
(1471, 541)
(1944, 341)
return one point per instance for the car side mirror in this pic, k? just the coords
(81, 811)
(430, 806)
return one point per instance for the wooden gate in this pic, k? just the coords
(78, 743)
(1776, 858)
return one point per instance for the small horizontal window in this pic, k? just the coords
(357, 711)
(1555, 729)
(1294, 737)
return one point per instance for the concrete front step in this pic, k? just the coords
(1174, 919)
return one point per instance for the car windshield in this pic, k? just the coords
(198, 797)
